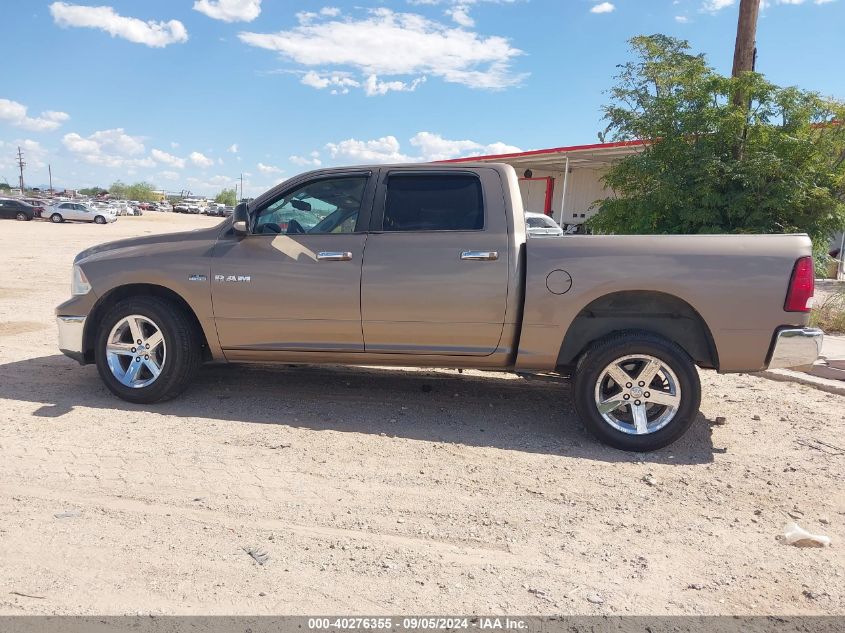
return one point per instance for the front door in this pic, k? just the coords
(293, 283)
(435, 278)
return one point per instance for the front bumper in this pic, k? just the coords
(796, 347)
(71, 329)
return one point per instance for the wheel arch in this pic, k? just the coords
(113, 296)
(661, 313)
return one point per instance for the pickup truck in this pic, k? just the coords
(430, 265)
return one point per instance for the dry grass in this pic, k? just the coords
(829, 315)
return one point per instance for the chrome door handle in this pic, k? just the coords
(334, 256)
(480, 256)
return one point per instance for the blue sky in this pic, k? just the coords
(189, 94)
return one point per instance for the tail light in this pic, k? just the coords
(802, 285)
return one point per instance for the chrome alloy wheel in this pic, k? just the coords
(135, 351)
(638, 394)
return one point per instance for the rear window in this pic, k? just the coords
(433, 203)
(535, 222)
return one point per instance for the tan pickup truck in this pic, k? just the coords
(429, 265)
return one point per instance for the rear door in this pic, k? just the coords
(435, 275)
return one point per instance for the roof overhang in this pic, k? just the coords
(594, 156)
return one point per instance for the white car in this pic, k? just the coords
(541, 225)
(78, 212)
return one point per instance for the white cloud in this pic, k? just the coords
(167, 159)
(681, 19)
(381, 150)
(374, 86)
(269, 169)
(168, 175)
(33, 153)
(233, 148)
(200, 159)
(340, 82)
(313, 160)
(16, 114)
(111, 148)
(603, 7)
(460, 14)
(150, 33)
(390, 44)
(712, 6)
(429, 147)
(229, 10)
(435, 147)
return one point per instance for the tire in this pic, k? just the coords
(676, 385)
(179, 359)
(99, 220)
(22, 217)
(56, 218)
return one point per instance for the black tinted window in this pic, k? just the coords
(433, 203)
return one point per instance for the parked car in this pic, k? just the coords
(12, 208)
(38, 205)
(79, 212)
(180, 207)
(542, 225)
(436, 270)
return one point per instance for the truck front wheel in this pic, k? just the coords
(147, 350)
(636, 391)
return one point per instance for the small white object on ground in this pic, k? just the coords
(794, 534)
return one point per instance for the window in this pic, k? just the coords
(329, 205)
(540, 222)
(433, 203)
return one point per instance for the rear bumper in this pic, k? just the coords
(796, 347)
(71, 329)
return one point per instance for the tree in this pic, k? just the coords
(92, 191)
(118, 190)
(788, 177)
(142, 192)
(228, 197)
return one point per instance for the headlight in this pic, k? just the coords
(79, 284)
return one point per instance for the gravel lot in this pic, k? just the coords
(388, 491)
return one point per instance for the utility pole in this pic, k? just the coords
(21, 165)
(745, 49)
(50, 171)
(242, 187)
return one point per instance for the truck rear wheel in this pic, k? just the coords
(636, 391)
(147, 350)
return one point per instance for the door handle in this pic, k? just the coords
(480, 256)
(334, 256)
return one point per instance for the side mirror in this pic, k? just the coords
(240, 219)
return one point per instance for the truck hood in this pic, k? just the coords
(191, 238)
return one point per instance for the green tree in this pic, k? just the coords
(118, 190)
(142, 192)
(91, 191)
(229, 197)
(709, 166)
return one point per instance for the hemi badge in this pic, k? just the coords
(197, 278)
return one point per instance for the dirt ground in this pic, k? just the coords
(388, 491)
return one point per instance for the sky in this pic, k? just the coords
(190, 94)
